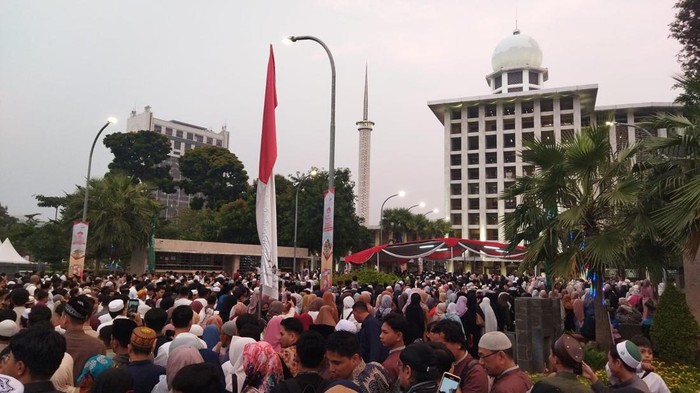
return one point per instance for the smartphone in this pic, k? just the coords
(449, 383)
(132, 307)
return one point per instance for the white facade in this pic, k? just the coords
(483, 135)
(183, 137)
(365, 129)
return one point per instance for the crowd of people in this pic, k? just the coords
(212, 332)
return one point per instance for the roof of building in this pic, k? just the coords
(517, 51)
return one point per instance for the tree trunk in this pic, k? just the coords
(139, 258)
(603, 332)
(691, 270)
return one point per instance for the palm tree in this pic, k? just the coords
(673, 177)
(571, 209)
(120, 215)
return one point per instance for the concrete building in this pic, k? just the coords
(365, 128)
(183, 137)
(484, 134)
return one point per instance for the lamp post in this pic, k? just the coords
(644, 130)
(87, 180)
(381, 216)
(422, 205)
(296, 217)
(432, 211)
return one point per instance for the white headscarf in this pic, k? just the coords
(490, 322)
(235, 354)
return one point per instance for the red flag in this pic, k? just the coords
(268, 145)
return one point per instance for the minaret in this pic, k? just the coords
(365, 129)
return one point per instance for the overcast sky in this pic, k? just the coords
(65, 66)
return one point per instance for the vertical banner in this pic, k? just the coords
(265, 202)
(327, 240)
(152, 247)
(78, 244)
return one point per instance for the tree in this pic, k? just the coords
(214, 172)
(51, 201)
(6, 221)
(592, 187)
(120, 215)
(141, 156)
(686, 29)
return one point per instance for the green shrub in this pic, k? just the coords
(594, 357)
(369, 276)
(674, 331)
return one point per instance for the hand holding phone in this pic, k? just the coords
(449, 383)
(132, 307)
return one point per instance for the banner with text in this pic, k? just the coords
(327, 240)
(78, 245)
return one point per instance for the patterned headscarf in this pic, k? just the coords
(95, 366)
(263, 368)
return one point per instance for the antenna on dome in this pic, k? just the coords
(516, 31)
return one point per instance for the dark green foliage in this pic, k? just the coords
(674, 331)
(369, 276)
(141, 156)
(594, 357)
(686, 29)
(214, 172)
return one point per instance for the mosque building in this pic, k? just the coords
(483, 135)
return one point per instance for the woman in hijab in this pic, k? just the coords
(472, 330)
(348, 302)
(306, 320)
(114, 380)
(324, 324)
(210, 336)
(577, 304)
(272, 332)
(440, 311)
(94, 367)
(276, 308)
(490, 321)
(178, 358)
(298, 300)
(315, 307)
(306, 303)
(385, 306)
(238, 309)
(262, 366)
(503, 311)
(461, 306)
(235, 374)
(415, 314)
(329, 300)
(451, 315)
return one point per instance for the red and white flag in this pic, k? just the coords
(266, 204)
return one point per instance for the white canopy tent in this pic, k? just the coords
(8, 254)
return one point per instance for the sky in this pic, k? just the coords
(66, 66)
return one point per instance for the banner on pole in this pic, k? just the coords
(78, 246)
(327, 240)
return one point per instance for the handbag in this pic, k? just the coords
(480, 320)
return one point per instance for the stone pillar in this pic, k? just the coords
(139, 260)
(537, 324)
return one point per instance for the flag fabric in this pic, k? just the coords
(266, 204)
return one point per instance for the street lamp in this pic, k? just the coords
(432, 211)
(296, 216)
(422, 205)
(644, 130)
(399, 194)
(110, 120)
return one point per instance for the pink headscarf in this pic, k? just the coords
(272, 333)
(263, 368)
(461, 305)
(179, 358)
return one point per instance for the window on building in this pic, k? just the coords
(455, 204)
(508, 140)
(491, 158)
(456, 219)
(515, 77)
(473, 218)
(510, 203)
(492, 173)
(567, 135)
(199, 138)
(455, 189)
(546, 105)
(219, 143)
(548, 136)
(621, 137)
(620, 117)
(528, 170)
(547, 121)
(475, 234)
(456, 114)
(492, 234)
(456, 128)
(491, 125)
(473, 188)
(210, 141)
(455, 159)
(187, 146)
(515, 89)
(157, 129)
(473, 126)
(473, 203)
(178, 133)
(456, 144)
(473, 143)
(534, 78)
(508, 156)
(508, 184)
(491, 110)
(585, 121)
(491, 142)
(509, 172)
(190, 136)
(473, 158)
(508, 109)
(178, 145)
(508, 124)
(527, 122)
(473, 173)
(473, 112)
(169, 131)
(528, 136)
(491, 219)
(455, 174)
(492, 188)
(527, 107)
(566, 103)
(499, 82)
(566, 119)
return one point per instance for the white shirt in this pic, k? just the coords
(162, 358)
(655, 383)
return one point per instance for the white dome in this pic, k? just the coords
(517, 51)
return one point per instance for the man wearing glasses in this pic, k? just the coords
(496, 355)
(33, 358)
